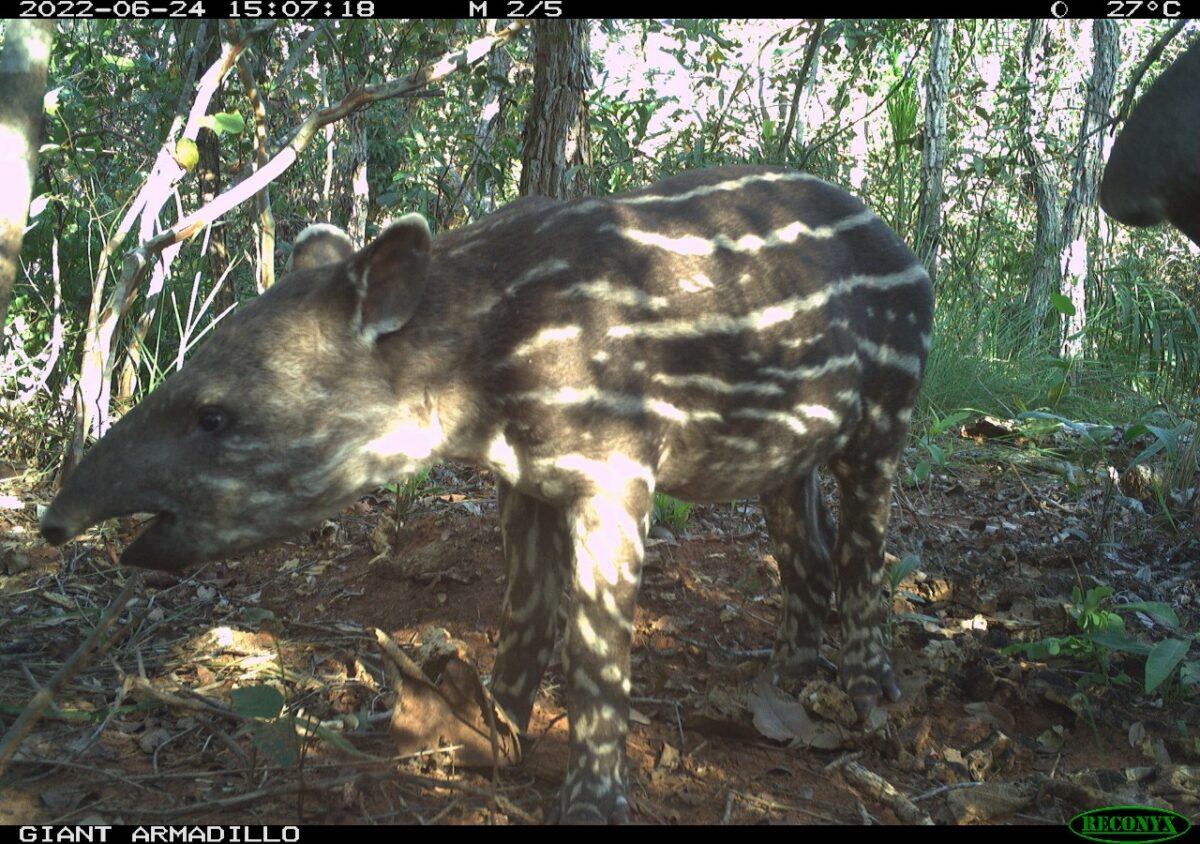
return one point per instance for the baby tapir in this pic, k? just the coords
(718, 335)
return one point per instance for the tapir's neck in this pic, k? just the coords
(442, 408)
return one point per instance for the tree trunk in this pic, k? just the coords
(23, 64)
(933, 153)
(557, 117)
(360, 188)
(1047, 245)
(1079, 214)
(489, 126)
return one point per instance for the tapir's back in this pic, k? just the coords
(725, 326)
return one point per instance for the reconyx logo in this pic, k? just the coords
(1123, 824)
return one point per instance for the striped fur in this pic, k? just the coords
(718, 335)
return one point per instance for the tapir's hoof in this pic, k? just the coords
(867, 698)
(589, 814)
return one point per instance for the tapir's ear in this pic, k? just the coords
(390, 275)
(318, 245)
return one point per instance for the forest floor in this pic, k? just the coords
(152, 730)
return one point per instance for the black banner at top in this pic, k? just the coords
(328, 10)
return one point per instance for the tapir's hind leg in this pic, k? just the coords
(802, 532)
(865, 483)
(537, 550)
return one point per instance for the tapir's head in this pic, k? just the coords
(287, 411)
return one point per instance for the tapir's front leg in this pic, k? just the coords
(608, 530)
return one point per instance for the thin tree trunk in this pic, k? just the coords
(933, 153)
(1047, 245)
(488, 128)
(360, 188)
(802, 79)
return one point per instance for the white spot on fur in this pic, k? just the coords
(615, 472)
(720, 187)
(587, 633)
(817, 411)
(622, 404)
(716, 385)
(410, 439)
(604, 290)
(537, 273)
(546, 337)
(747, 244)
(776, 416)
(501, 457)
(695, 283)
(806, 373)
(892, 358)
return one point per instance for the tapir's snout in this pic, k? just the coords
(159, 545)
(55, 529)
(117, 478)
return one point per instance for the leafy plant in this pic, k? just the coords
(410, 489)
(1102, 632)
(1177, 445)
(896, 575)
(670, 511)
(933, 455)
(277, 732)
(272, 731)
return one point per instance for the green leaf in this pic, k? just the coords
(906, 566)
(940, 426)
(1134, 431)
(277, 741)
(257, 701)
(1062, 304)
(938, 454)
(1117, 640)
(1189, 673)
(1162, 661)
(1157, 610)
(1101, 434)
(224, 122)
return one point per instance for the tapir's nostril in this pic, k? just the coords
(55, 534)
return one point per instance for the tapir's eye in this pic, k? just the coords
(213, 419)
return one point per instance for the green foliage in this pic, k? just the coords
(932, 455)
(224, 123)
(410, 489)
(670, 512)
(1172, 449)
(277, 732)
(271, 731)
(1101, 626)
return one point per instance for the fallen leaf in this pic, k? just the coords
(777, 717)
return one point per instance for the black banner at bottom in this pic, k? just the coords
(156, 834)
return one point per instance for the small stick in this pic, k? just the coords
(885, 792)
